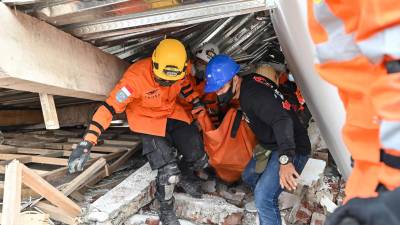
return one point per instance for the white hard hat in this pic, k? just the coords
(207, 51)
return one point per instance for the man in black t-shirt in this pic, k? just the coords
(278, 130)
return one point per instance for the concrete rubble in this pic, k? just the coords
(207, 210)
(320, 191)
(147, 219)
(125, 199)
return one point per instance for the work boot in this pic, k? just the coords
(191, 185)
(167, 213)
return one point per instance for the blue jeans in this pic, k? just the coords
(266, 187)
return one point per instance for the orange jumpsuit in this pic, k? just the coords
(147, 104)
(209, 100)
(354, 41)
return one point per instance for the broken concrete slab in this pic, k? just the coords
(209, 186)
(300, 214)
(317, 142)
(143, 219)
(235, 198)
(35, 61)
(318, 219)
(250, 218)
(251, 207)
(328, 204)
(288, 200)
(125, 199)
(312, 172)
(207, 210)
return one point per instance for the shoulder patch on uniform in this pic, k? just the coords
(123, 94)
(286, 105)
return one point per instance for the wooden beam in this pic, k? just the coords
(49, 111)
(84, 177)
(35, 159)
(20, 117)
(26, 192)
(67, 116)
(35, 63)
(114, 166)
(33, 219)
(12, 194)
(55, 213)
(42, 187)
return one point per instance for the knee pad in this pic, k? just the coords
(167, 178)
(201, 163)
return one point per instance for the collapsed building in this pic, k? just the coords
(61, 58)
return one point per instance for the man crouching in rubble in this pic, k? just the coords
(281, 136)
(148, 92)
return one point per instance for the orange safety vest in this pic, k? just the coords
(354, 40)
(147, 104)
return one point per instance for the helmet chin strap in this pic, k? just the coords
(162, 82)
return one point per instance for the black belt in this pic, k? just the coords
(236, 123)
(390, 160)
(393, 66)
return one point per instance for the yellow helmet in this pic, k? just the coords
(169, 60)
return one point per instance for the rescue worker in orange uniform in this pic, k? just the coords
(147, 92)
(357, 47)
(196, 68)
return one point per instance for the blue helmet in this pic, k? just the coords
(219, 71)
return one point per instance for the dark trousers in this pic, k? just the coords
(181, 139)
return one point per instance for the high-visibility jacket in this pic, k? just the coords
(354, 41)
(147, 104)
(208, 99)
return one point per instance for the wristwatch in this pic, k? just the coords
(284, 159)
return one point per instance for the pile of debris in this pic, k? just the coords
(132, 201)
(117, 188)
(36, 173)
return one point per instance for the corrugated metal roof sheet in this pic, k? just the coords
(130, 29)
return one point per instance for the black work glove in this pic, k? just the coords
(198, 106)
(79, 156)
(368, 211)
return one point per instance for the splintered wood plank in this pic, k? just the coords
(21, 150)
(33, 219)
(55, 213)
(52, 175)
(114, 166)
(53, 154)
(77, 196)
(24, 143)
(42, 187)
(50, 161)
(21, 158)
(102, 149)
(26, 192)
(6, 149)
(84, 176)
(12, 194)
(92, 154)
(121, 143)
(119, 162)
(49, 111)
(20, 117)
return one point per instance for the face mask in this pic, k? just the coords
(200, 74)
(225, 99)
(164, 83)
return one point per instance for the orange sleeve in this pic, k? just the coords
(187, 90)
(122, 94)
